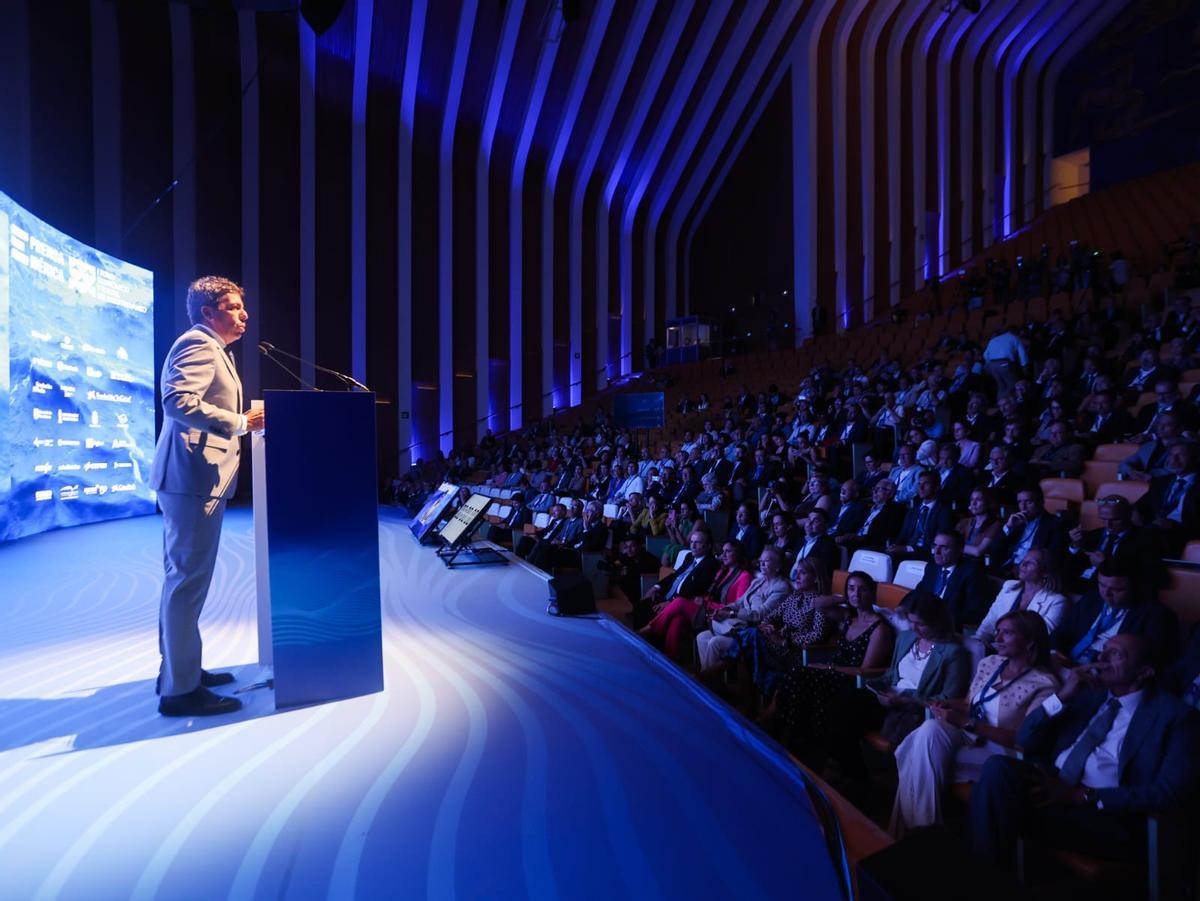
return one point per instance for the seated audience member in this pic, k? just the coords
(929, 663)
(926, 517)
(588, 536)
(629, 565)
(963, 733)
(693, 579)
(957, 579)
(1169, 401)
(769, 647)
(1036, 589)
(518, 517)
(1172, 505)
(552, 532)
(1030, 527)
(1109, 424)
(545, 498)
(905, 473)
(745, 528)
(981, 527)
(1104, 752)
(882, 523)
(818, 496)
(1150, 460)
(681, 519)
(651, 521)
(710, 497)
(760, 599)
(1116, 539)
(817, 545)
(1059, 458)
(956, 480)
(851, 513)
(871, 474)
(969, 450)
(673, 626)
(808, 693)
(1054, 413)
(1118, 606)
(784, 535)
(1001, 479)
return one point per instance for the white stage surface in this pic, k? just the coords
(511, 755)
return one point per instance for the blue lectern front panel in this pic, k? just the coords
(323, 545)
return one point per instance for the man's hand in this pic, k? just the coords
(1016, 521)
(1076, 678)
(256, 420)
(1076, 536)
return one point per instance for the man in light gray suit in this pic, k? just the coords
(195, 472)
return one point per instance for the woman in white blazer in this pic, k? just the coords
(1036, 589)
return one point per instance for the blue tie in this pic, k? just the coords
(1072, 768)
(1082, 652)
(919, 537)
(942, 578)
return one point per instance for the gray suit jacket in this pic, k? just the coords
(198, 449)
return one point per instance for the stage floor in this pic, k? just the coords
(511, 755)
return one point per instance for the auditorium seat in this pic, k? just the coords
(909, 573)
(1061, 494)
(875, 564)
(889, 595)
(1191, 552)
(1182, 593)
(1114, 453)
(1096, 473)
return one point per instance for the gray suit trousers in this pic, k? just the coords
(191, 535)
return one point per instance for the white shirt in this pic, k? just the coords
(1113, 628)
(910, 669)
(805, 548)
(1101, 770)
(1176, 513)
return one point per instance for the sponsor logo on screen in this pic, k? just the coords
(69, 467)
(63, 366)
(42, 387)
(89, 466)
(124, 486)
(39, 414)
(40, 336)
(125, 465)
(43, 442)
(94, 421)
(68, 390)
(68, 493)
(67, 416)
(43, 469)
(42, 362)
(94, 373)
(117, 376)
(68, 442)
(122, 354)
(92, 443)
(121, 444)
(110, 396)
(44, 495)
(93, 349)
(94, 490)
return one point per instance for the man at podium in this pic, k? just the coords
(195, 473)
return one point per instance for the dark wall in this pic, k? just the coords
(743, 246)
(1133, 95)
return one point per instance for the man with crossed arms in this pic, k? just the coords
(195, 473)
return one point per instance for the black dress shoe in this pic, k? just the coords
(212, 680)
(200, 702)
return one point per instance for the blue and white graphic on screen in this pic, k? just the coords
(76, 380)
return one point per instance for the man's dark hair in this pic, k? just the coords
(206, 291)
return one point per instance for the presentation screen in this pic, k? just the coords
(639, 411)
(464, 518)
(76, 380)
(424, 521)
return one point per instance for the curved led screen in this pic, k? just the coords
(76, 380)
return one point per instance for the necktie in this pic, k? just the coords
(678, 583)
(942, 579)
(922, 516)
(1174, 496)
(1086, 744)
(1082, 652)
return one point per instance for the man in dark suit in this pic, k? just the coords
(957, 579)
(956, 479)
(1116, 607)
(590, 535)
(925, 518)
(871, 474)
(692, 580)
(1100, 755)
(1150, 460)
(518, 517)
(746, 529)
(1109, 423)
(817, 544)
(629, 565)
(1031, 526)
(1169, 401)
(1059, 458)
(688, 488)
(1172, 505)
(1134, 549)
(852, 512)
(552, 533)
(882, 522)
(545, 498)
(1002, 480)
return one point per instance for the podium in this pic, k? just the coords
(316, 525)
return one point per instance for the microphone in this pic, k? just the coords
(268, 349)
(265, 348)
